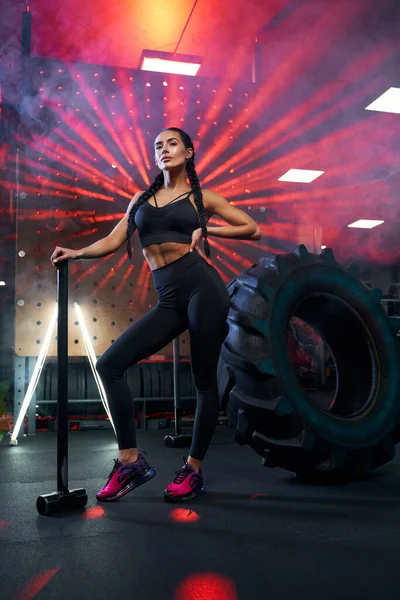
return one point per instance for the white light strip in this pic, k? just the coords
(389, 102)
(35, 378)
(2, 283)
(176, 67)
(365, 224)
(301, 175)
(92, 360)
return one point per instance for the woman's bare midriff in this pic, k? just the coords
(159, 255)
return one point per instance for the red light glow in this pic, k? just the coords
(206, 586)
(183, 515)
(95, 512)
(33, 587)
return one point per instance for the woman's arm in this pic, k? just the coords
(103, 247)
(241, 225)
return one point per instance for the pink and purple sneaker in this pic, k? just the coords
(125, 478)
(187, 485)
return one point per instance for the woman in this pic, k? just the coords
(171, 218)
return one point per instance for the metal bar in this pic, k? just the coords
(137, 399)
(19, 385)
(177, 388)
(62, 391)
(26, 32)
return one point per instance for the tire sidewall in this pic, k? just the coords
(372, 426)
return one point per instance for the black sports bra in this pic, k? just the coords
(174, 222)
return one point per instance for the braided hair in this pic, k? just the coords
(157, 184)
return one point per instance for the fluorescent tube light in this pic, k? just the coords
(92, 361)
(35, 378)
(166, 62)
(365, 224)
(389, 102)
(301, 175)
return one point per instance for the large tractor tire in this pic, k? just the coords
(348, 426)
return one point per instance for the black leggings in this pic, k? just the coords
(191, 295)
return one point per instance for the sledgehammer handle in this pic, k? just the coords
(62, 392)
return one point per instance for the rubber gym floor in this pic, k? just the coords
(258, 534)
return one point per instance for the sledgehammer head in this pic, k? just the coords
(60, 502)
(178, 441)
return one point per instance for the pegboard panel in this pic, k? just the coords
(75, 181)
(111, 293)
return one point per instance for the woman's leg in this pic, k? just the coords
(207, 314)
(148, 335)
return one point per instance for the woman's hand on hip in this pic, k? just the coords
(196, 238)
